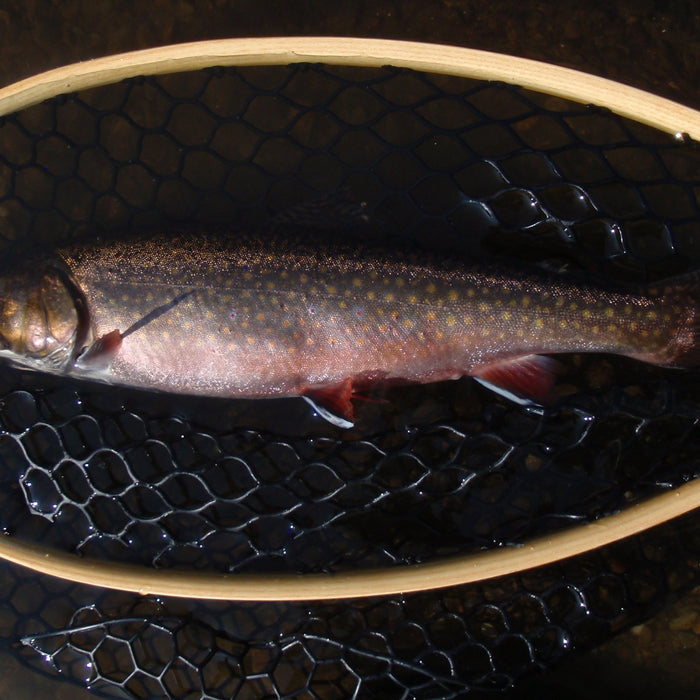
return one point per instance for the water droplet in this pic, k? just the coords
(41, 493)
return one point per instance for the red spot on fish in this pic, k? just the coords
(232, 315)
(358, 313)
(312, 309)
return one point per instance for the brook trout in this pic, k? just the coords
(242, 317)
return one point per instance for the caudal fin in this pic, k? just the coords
(683, 294)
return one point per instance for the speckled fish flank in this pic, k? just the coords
(245, 317)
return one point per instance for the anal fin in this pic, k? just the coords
(525, 380)
(333, 403)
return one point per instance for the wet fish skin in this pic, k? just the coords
(40, 312)
(247, 317)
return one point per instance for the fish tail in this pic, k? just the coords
(682, 295)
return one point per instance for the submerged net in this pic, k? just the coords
(255, 486)
(439, 644)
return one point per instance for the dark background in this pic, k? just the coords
(650, 44)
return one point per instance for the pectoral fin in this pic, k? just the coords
(525, 380)
(333, 403)
(99, 355)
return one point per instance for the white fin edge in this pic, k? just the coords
(328, 415)
(506, 394)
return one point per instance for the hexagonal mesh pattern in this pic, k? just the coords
(454, 164)
(440, 644)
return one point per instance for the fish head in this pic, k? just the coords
(40, 315)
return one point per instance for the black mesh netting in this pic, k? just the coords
(255, 486)
(439, 644)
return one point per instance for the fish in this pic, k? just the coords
(238, 316)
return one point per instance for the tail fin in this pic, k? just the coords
(684, 294)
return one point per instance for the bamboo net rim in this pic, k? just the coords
(568, 83)
(449, 571)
